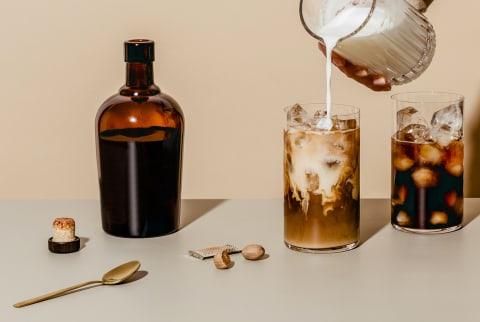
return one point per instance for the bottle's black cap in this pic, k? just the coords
(139, 51)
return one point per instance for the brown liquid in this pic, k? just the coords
(321, 199)
(427, 185)
(140, 184)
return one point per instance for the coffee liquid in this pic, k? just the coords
(139, 181)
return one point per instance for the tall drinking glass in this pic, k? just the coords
(427, 162)
(321, 178)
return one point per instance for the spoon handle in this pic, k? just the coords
(53, 294)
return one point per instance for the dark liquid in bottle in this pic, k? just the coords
(140, 173)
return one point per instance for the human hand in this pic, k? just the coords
(373, 81)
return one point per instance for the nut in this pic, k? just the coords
(222, 260)
(253, 252)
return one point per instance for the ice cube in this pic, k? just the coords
(441, 135)
(439, 218)
(431, 154)
(300, 139)
(321, 121)
(424, 178)
(454, 163)
(413, 133)
(318, 118)
(402, 163)
(399, 195)
(449, 118)
(313, 181)
(319, 115)
(451, 198)
(447, 125)
(343, 125)
(297, 116)
(408, 116)
(402, 218)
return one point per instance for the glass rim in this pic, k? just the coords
(349, 109)
(360, 27)
(427, 97)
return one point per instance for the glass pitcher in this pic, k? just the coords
(386, 37)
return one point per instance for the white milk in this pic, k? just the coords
(344, 23)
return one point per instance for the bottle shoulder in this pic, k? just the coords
(125, 111)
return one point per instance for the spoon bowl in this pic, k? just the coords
(120, 273)
(114, 276)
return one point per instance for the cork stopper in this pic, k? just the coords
(64, 239)
(63, 230)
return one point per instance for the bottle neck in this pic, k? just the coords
(139, 75)
(139, 81)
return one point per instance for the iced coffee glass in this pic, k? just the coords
(321, 178)
(427, 162)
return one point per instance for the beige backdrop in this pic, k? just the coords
(232, 65)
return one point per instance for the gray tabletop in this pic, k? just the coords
(391, 276)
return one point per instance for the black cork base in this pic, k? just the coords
(64, 247)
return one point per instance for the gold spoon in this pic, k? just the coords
(112, 277)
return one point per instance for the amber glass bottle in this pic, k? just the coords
(139, 134)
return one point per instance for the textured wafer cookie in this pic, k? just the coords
(211, 251)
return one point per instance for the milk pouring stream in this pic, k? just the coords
(339, 27)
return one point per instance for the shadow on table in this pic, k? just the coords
(471, 210)
(137, 276)
(193, 209)
(373, 217)
(376, 215)
(83, 242)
